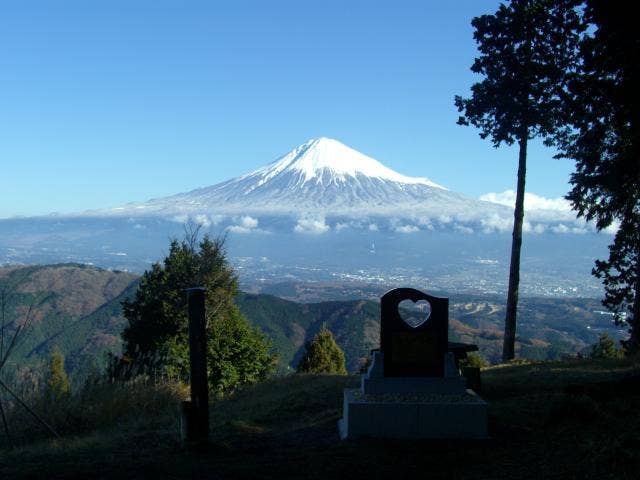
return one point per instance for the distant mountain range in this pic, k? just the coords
(77, 309)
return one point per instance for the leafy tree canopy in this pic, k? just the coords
(526, 50)
(603, 138)
(156, 339)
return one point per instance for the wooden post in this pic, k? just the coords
(197, 413)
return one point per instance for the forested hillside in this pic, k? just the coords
(74, 308)
(77, 309)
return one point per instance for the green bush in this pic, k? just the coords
(606, 348)
(323, 355)
(474, 360)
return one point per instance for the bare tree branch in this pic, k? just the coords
(26, 407)
(5, 425)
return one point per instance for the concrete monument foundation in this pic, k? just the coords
(413, 388)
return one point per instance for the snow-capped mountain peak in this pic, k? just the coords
(320, 178)
(325, 159)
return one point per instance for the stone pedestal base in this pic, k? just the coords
(413, 385)
(413, 415)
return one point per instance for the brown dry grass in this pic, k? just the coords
(547, 420)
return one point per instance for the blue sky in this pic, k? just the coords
(108, 101)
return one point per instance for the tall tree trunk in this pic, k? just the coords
(633, 344)
(508, 347)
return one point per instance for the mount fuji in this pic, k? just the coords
(323, 179)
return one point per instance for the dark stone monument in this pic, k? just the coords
(413, 351)
(413, 388)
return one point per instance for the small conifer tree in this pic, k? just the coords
(323, 355)
(57, 382)
(606, 348)
(474, 360)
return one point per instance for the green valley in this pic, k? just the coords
(77, 309)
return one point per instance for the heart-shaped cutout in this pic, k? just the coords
(413, 313)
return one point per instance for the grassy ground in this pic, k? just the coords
(554, 420)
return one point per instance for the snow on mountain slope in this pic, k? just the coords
(327, 160)
(321, 177)
(324, 184)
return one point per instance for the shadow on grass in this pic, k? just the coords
(541, 425)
